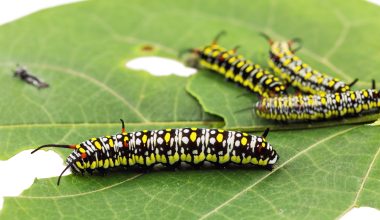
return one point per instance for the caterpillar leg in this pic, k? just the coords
(145, 168)
(221, 166)
(269, 167)
(103, 171)
(90, 171)
(198, 165)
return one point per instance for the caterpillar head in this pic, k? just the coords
(278, 48)
(85, 158)
(266, 155)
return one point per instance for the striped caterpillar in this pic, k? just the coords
(236, 68)
(169, 147)
(317, 107)
(300, 75)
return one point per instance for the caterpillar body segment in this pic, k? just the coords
(169, 147)
(318, 107)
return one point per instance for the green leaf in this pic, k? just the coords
(81, 49)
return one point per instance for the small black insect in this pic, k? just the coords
(25, 76)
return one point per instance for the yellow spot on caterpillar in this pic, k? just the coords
(193, 136)
(323, 101)
(235, 159)
(132, 160)
(145, 131)
(202, 157)
(249, 69)
(148, 161)
(365, 93)
(77, 146)
(244, 141)
(144, 138)
(124, 160)
(213, 158)
(286, 62)
(263, 162)
(246, 160)
(167, 137)
(117, 163)
(259, 74)
(183, 157)
(82, 150)
(79, 165)
(222, 70)
(97, 145)
(188, 158)
(232, 59)
(220, 130)
(93, 165)
(297, 68)
(230, 74)
(163, 159)
(193, 129)
(141, 160)
(219, 138)
(111, 143)
(239, 78)
(196, 159)
(254, 161)
(100, 163)
(173, 159)
(158, 158)
(224, 159)
(111, 162)
(106, 164)
(152, 158)
(337, 98)
(245, 134)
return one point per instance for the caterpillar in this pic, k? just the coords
(169, 147)
(300, 75)
(25, 76)
(236, 68)
(318, 107)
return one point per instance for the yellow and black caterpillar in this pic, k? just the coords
(169, 147)
(299, 74)
(236, 68)
(318, 107)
